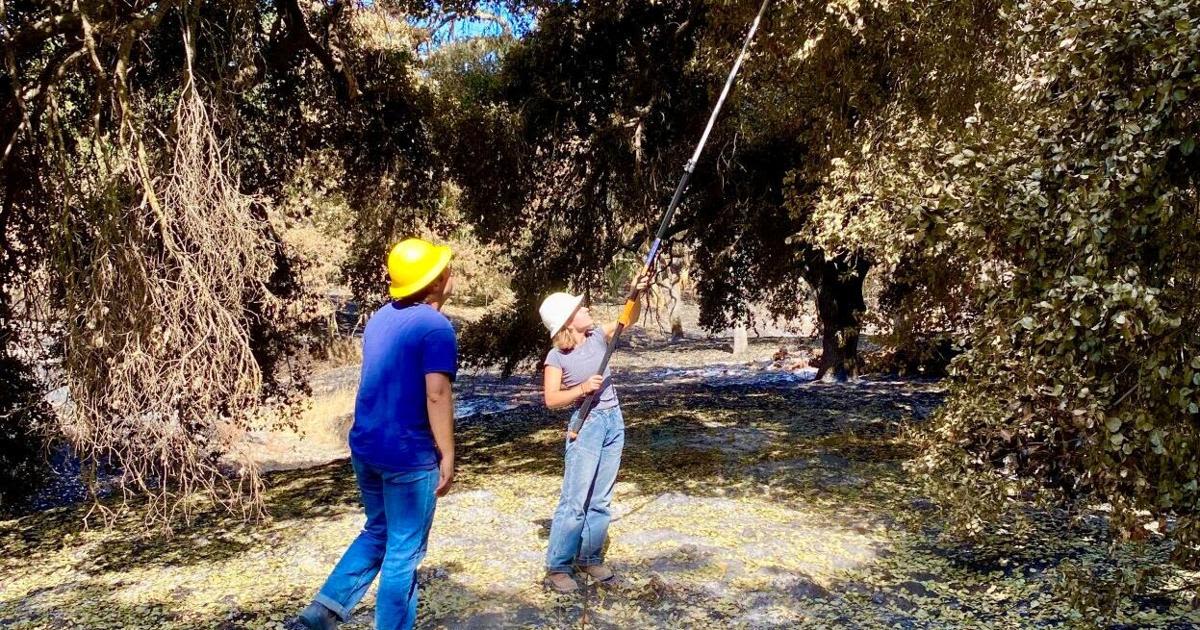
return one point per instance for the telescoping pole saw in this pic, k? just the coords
(631, 301)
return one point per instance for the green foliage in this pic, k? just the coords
(1055, 230)
(1086, 199)
(561, 156)
(572, 159)
(481, 270)
(24, 433)
(594, 113)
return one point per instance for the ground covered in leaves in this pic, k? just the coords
(742, 502)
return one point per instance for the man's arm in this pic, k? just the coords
(439, 401)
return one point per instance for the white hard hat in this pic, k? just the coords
(556, 310)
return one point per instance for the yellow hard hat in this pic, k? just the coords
(414, 263)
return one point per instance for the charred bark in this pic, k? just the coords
(838, 285)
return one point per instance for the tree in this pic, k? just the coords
(604, 102)
(1061, 214)
(144, 144)
(549, 158)
(1087, 194)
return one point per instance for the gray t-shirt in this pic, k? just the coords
(582, 362)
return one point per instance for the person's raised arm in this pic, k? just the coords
(640, 283)
(439, 401)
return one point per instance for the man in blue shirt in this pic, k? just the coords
(401, 443)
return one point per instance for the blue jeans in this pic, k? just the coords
(399, 508)
(581, 521)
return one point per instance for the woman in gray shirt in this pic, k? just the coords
(580, 523)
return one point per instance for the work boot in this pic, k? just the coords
(318, 617)
(562, 582)
(600, 573)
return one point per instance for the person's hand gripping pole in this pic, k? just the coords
(629, 314)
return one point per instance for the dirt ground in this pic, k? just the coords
(647, 356)
(749, 497)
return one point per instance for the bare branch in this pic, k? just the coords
(344, 82)
(32, 102)
(37, 33)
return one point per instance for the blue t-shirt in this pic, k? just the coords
(401, 344)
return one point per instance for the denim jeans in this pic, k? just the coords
(581, 521)
(399, 508)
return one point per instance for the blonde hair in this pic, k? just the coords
(564, 339)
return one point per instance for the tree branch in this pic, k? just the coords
(344, 83)
(23, 109)
(35, 34)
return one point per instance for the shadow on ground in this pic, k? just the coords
(762, 507)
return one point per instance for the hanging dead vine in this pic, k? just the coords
(158, 254)
(139, 180)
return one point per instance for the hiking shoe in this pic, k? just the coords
(600, 573)
(562, 582)
(317, 617)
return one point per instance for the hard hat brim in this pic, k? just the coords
(444, 254)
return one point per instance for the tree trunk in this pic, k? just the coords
(675, 311)
(838, 284)
(740, 340)
(677, 267)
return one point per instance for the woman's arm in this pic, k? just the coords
(554, 394)
(610, 328)
(641, 283)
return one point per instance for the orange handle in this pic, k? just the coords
(626, 318)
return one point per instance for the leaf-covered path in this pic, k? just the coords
(738, 506)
